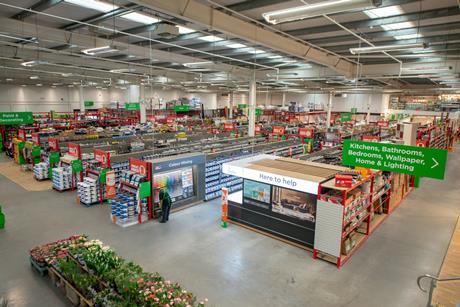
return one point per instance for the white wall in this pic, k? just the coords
(59, 99)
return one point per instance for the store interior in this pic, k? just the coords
(198, 152)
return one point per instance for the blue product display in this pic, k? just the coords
(41, 170)
(124, 207)
(62, 178)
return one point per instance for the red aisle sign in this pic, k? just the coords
(53, 144)
(110, 185)
(22, 134)
(278, 130)
(170, 120)
(36, 138)
(138, 166)
(383, 123)
(74, 150)
(370, 138)
(229, 126)
(307, 132)
(102, 157)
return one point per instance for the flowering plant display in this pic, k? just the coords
(48, 254)
(109, 280)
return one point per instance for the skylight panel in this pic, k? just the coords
(408, 36)
(94, 5)
(399, 25)
(236, 45)
(211, 38)
(141, 18)
(384, 11)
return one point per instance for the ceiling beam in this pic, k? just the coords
(87, 41)
(100, 17)
(252, 4)
(367, 23)
(39, 6)
(390, 33)
(197, 12)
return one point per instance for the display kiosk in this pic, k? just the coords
(182, 176)
(279, 196)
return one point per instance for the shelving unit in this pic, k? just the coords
(342, 220)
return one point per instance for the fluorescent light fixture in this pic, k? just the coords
(318, 9)
(275, 57)
(427, 68)
(122, 70)
(23, 85)
(236, 45)
(53, 86)
(99, 50)
(408, 36)
(33, 63)
(141, 18)
(185, 30)
(94, 5)
(67, 74)
(70, 85)
(33, 77)
(211, 38)
(57, 84)
(39, 84)
(258, 51)
(9, 79)
(198, 63)
(388, 48)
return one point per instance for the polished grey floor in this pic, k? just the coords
(235, 266)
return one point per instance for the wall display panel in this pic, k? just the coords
(178, 183)
(256, 194)
(295, 204)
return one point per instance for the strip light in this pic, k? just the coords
(318, 9)
(99, 50)
(388, 48)
(33, 63)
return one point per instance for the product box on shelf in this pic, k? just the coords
(88, 191)
(41, 170)
(62, 178)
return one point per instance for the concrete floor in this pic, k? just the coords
(235, 266)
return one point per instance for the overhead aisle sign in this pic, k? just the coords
(412, 160)
(16, 118)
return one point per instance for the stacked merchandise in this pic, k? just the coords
(118, 168)
(124, 207)
(88, 191)
(41, 170)
(216, 179)
(62, 178)
(131, 178)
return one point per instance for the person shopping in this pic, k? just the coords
(165, 201)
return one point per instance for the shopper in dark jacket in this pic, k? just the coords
(165, 201)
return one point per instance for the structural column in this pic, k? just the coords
(329, 110)
(230, 105)
(369, 101)
(82, 99)
(284, 99)
(252, 107)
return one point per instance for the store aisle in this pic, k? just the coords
(235, 266)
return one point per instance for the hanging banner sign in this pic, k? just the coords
(412, 160)
(16, 118)
(53, 144)
(89, 103)
(36, 138)
(102, 157)
(345, 117)
(138, 166)
(132, 106)
(307, 132)
(110, 185)
(22, 134)
(184, 108)
(278, 130)
(229, 126)
(74, 150)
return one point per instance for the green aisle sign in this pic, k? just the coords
(16, 118)
(144, 189)
(345, 117)
(181, 108)
(132, 106)
(354, 110)
(242, 106)
(54, 157)
(77, 166)
(89, 103)
(258, 112)
(412, 160)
